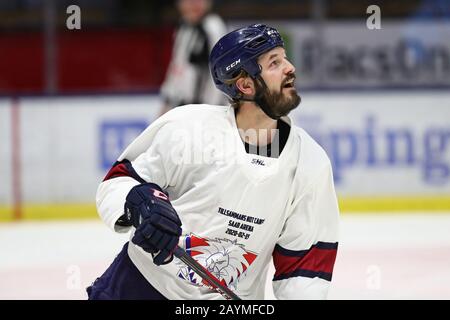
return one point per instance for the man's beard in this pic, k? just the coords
(277, 104)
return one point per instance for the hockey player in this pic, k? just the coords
(232, 185)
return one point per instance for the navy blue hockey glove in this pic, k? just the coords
(157, 224)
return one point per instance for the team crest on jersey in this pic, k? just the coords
(227, 260)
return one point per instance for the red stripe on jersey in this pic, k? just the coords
(316, 259)
(119, 170)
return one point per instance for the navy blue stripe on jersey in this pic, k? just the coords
(318, 261)
(305, 273)
(300, 253)
(123, 169)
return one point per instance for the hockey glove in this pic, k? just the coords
(157, 224)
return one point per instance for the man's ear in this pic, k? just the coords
(246, 86)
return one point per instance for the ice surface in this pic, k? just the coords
(381, 256)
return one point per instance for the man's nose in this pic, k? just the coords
(289, 67)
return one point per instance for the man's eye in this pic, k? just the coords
(274, 63)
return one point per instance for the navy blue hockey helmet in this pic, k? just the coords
(239, 50)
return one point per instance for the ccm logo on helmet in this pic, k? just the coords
(232, 65)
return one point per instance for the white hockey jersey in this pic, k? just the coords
(238, 210)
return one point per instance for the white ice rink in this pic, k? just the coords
(382, 256)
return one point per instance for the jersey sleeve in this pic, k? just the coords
(145, 160)
(305, 252)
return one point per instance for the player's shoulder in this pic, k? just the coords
(188, 115)
(176, 123)
(312, 155)
(312, 162)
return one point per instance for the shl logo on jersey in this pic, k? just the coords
(227, 260)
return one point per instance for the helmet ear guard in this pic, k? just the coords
(239, 51)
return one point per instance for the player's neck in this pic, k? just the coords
(255, 127)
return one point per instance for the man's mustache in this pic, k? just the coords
(288, 78)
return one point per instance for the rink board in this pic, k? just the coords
(389, 150)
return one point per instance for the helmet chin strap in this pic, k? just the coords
(258, 100)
